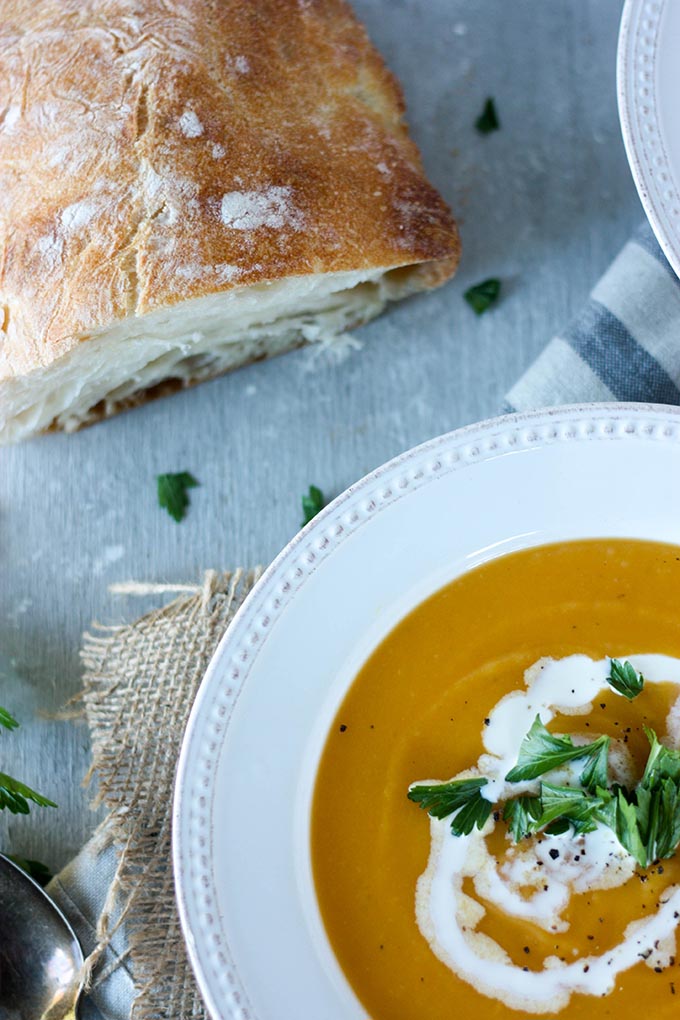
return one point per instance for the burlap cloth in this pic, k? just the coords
(139, 685)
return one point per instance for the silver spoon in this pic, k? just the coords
(41, 961)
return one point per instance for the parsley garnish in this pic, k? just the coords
(312, 504)
(594, 774)
(15, 795)
(488, 119)
(645, 818)
(627, 829)
(662, 762)
(460, 795)
(625, 679)
(483, 295)
(541, 752)
(555, 809)
(521, 814)
(172, 493)
(567, 804)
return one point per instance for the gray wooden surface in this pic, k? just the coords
(545, 204)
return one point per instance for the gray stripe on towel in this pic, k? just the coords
(643, 296)
(626, 368)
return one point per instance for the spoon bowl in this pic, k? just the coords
(41, 962)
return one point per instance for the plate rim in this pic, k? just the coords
(579, 422)
(636, 70)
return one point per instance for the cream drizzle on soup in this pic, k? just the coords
(535, 882)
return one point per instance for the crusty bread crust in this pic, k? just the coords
(155, 152)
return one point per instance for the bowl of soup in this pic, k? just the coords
(435, 763)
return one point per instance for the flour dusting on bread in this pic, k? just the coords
(271, 207)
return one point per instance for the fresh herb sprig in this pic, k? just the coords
(15, 796)
(541, 752)
(7, 720)
(462, 796)
(645, 818)
(521, 814)
(625, 679)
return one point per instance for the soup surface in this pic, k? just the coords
(416, 712)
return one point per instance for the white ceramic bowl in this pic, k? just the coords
(648, 88)
(246, 773)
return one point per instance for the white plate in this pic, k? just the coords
(246, 773)
(648, 89)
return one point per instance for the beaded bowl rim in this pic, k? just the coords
(641, 41)
(219, 981)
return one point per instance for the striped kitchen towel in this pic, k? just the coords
(624, 345)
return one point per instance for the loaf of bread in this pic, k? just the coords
(190, 185)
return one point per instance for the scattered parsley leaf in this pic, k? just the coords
(36, 870)
(172, 493)
(541, 751)
(483, 295)
(312, 504)
(488, 119)
(460, 795)
(7, 720)
(521, 814)
(625, 679)
(15, 796)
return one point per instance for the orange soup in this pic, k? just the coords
(426, 707)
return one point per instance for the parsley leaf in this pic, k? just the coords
(488, 119)
(667, 832)
(521, 814)
(625, 679)
(172, 493)
(569, 804)
(628, 830)
(483, 295)
(657, 801)
(15, 796)
(541, 751)
(36, 870)
(312, 504)
(7, 720)
(662, 762)
(606, 812)
(595, 772)
(475, 812)
(460, 795)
